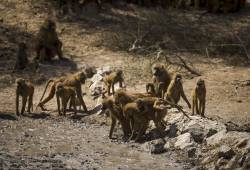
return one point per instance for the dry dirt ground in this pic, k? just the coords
(100, 38)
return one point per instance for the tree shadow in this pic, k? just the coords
(175, 31)
(7, 116)
(41, 115)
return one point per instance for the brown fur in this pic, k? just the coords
(141, 111)
(122, 97)
(199, 98)
(74, 80)
(48, 44)
(113, 78)
(26, 90)
(116, 114)
(65, 93)
(161, 79)
(175, 91)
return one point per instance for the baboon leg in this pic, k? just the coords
(113, 123)
(141, 131)
(58, 50)
(196, 107)
(24, 101)
(132, 126)
(64, 105)
(58, 104)
(193, 106)
(113, 88)
(109, 86)
(30, 103)
(203, 109)
(74, 104)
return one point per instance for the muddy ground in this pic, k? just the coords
(99, 38)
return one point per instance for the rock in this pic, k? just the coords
(232, 163)
(198, 135)
(155, 146)
(172, 131)
(216, 138)
(241, 143)
(191, 152)
(183, 141)
(225, 152)
(221, 162)
(211, 132)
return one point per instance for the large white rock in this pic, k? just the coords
(183, 141)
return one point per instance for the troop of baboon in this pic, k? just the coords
(132, 110)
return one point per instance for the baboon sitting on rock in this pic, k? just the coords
(48, 44)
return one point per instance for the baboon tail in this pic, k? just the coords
(44, 91)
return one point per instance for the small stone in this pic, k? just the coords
(155, 146)
(183, 141)
(191, 152)
(225, 152)
(241, 143)
(211, 132)
(172, 131)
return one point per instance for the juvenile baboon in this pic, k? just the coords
(137, 121)
(199, 98)
(113, 78)
(175, 91)
(65, 93)
(22, 58)
(116, 114)
(48, 44)
(141, 111)
(154, 109)
(26, 90)
(74, 80)
(161, 79)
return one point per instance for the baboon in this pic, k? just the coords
(113, 78)
(48, 44)
(22, 58)
(116, 114)
(155, 109)
(199, 98)
(141, 111)
(175, 91)
(161, 79)
(137, 121)
(122, 97)
(65, 93)
(26, 90)
(74, 80)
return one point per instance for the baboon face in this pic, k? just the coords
(139, 103)
(50, 24)
(90, 71)
(157, 69)
(178, 78)
(20, 82)
(200, 83)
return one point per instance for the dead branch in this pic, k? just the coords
(185, 65)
